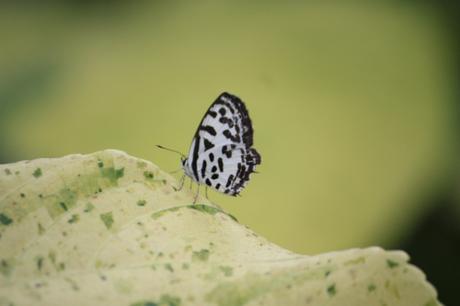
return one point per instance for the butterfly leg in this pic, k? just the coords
(196, 195)
(206, 192)
(182, 180)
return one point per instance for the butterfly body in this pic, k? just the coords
(221, 154)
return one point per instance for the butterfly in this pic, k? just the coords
(221, 154)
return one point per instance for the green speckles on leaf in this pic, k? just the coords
(148, 175)
(165, 300)
(37, 173)
(392, 264)
(63, 201)
(169, 267)
(119, 173)
(7, 171)
(331, 290)
(107, 218)
(5, 220)
(202, 255)
(41, 229)
(39, 262)
(145, 303)
(227, 270)
(6, 267)
(169, 300)
(207, 259)
(89, 207)
(74, 218)
(83, 185)
(59, 266)
(112, 174)
(63, 206)
(68, 196)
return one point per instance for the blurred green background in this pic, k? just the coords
(354, 106)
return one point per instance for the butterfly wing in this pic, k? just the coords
(221, 155)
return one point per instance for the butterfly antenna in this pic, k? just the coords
(171, 150)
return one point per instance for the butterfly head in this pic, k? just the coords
(185, 165)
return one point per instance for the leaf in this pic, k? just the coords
(83, 235)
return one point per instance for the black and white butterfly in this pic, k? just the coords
(221, 154)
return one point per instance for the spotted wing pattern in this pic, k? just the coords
(221, 155)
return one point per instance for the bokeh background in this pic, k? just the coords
(354, 104)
